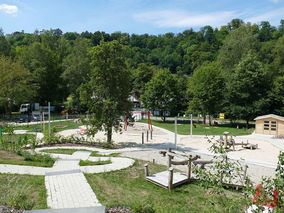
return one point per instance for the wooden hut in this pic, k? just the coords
(269, 124)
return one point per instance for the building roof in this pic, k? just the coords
(270, 116)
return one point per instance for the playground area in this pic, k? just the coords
(266, 150)
(150, 149)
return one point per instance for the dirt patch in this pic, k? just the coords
(5, 155)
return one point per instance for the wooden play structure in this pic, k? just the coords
(230, 142)
(170, 179)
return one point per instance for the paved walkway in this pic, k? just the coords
(65, 182)
(67, 187)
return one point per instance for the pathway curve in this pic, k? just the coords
(65, 182)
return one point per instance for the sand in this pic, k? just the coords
(266, 152)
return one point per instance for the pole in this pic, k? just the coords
(147, 136)
(191, 125)
(43, 122)
(49, 119)
(176, 131)
(142, 137)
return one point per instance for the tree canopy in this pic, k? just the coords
(107, 92)
(59, 63)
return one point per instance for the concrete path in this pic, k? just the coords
(66, 185)
(65, 182)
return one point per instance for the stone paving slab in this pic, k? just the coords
(69, 191)
(93, 209)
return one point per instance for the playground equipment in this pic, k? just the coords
(170, 179)
(149, 120)
(230, 142)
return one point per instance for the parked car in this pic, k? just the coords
(24, 118)
(36, 117)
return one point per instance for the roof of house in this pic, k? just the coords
(270, 116)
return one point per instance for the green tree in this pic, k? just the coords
(205, 89)
(236, 45)
(247, 92)
(15, 84)
(4, 45)
(277, 95)
(107, 93)
(162, 93)
(77, 65)
(142, 75)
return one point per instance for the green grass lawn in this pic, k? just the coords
(184, 128)
(95, 154)
(57, 124)
(17, 137)
(128, 188)
(94, 163)
(12, 158)
(62, 151)
(71, 151)
(23, 191)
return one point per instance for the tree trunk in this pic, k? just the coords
(247, 124)
(109, 134)
(209, 120)
(204, 118)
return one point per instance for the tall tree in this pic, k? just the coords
(15, 84)
(205, 89)
(77, 65)
(236, 45)
(4, 45)
(142, 75)
(163, 93)
(247, 92)
(107, 93)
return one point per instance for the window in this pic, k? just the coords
(273, 125)
(266, 125)
(270, 125)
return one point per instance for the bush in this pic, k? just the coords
(44, 158)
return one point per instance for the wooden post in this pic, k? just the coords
(189, 167)
(171, 174)
(146, 170)
(169, 161)
(226, 138)
(142, 137)
(147, 136)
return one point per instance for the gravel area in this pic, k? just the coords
(118, 209)
(5, 209)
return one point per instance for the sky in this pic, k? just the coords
(133, 16)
